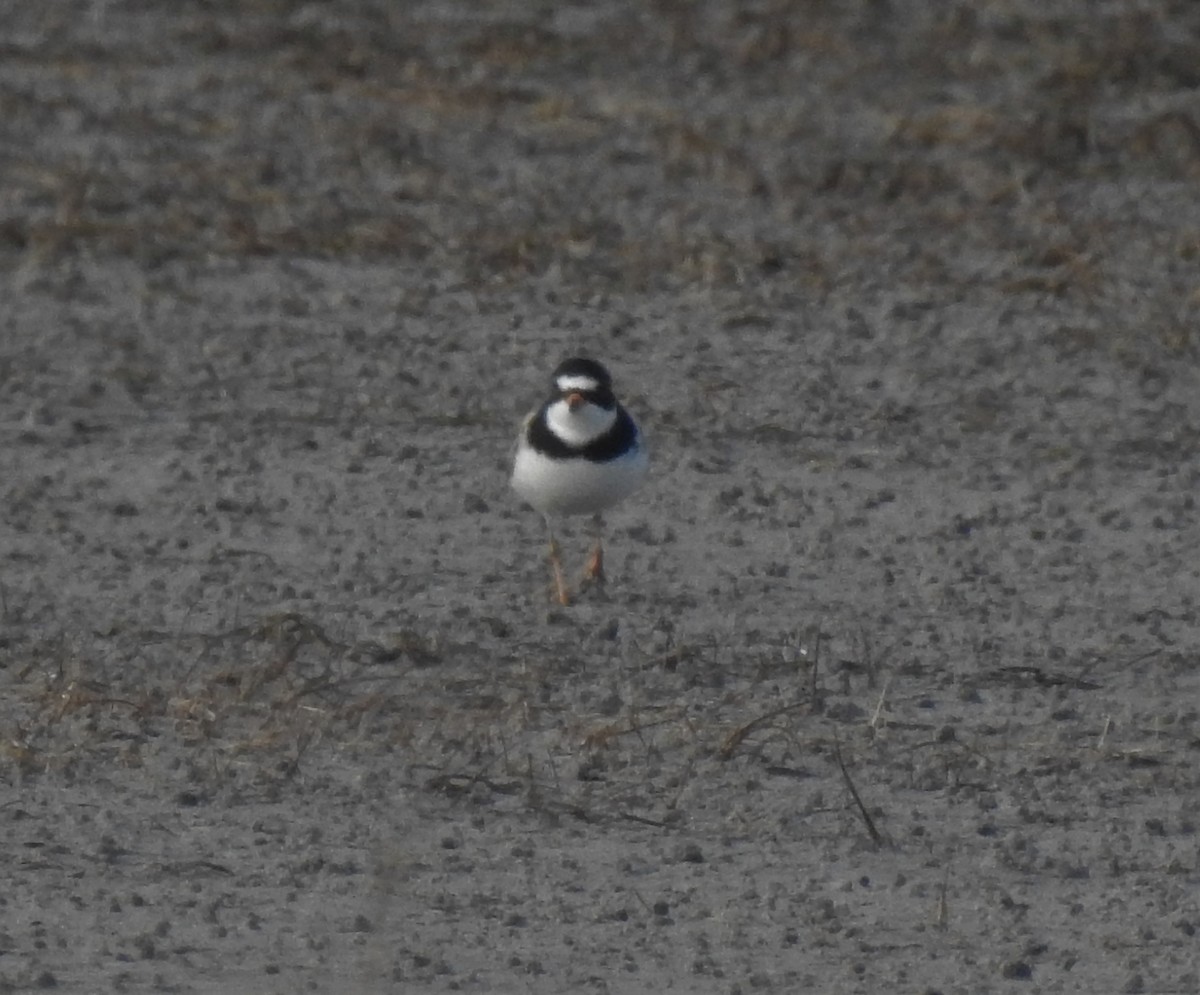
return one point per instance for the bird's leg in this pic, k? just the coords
(561, 593)
(594, 573)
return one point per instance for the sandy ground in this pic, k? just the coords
(894, 686)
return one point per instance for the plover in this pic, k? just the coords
(579, 453)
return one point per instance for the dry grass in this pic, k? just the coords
(263, 701)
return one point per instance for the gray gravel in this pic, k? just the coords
(894, 685)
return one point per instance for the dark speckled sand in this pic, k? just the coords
(895, 684)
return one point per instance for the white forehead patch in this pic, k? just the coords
(577, 383)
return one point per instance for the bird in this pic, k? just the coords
(579, 453)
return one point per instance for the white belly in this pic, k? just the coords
(576, 486)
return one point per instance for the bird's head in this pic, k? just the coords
(583, 406)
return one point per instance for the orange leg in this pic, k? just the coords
(594, 573)
(561, 593)
(595, 565)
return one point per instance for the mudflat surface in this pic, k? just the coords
(895, 684)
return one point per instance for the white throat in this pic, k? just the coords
(583, 425)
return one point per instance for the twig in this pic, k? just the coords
(735, 738)
(875, 716)
(876, 836)
(942, 913)
(816, 666)
(642, 820)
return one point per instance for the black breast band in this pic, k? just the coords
(613, 443)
